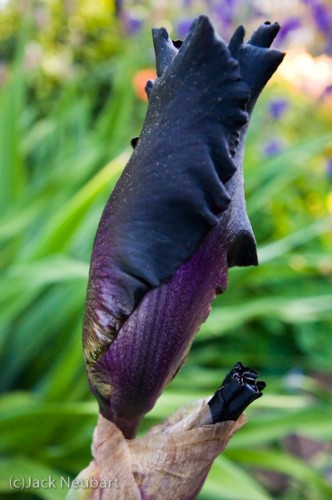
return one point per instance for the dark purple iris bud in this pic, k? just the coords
(176, 219)
(239, 389)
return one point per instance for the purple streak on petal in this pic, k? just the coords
(155, 340)
(277, 108)
(329, 168)
(287, 26)
(272, 147)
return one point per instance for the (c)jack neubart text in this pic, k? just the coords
(29, 482)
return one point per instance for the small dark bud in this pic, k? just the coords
(238, 390)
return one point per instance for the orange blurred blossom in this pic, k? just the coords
(139, 81)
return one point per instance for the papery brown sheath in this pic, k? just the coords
(176, 220)
(173, 459)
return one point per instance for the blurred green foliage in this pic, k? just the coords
(68, 110)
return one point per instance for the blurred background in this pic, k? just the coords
(72, 74)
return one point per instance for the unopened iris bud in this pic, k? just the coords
(176, 220)
(239, 389)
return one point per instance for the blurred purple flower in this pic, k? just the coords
(272, 148)
(329, 168)
(231, 4)
(182, 27)
(288, 25)
(278, 107)
(225, 11)
(322, 16)
(257, 11)
(132, 24)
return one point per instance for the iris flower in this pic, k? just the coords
(176, 220)
(174, 224)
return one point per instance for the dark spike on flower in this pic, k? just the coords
(236, 41)
(257, 61)
(149, 88)
(164, 49)
(239, 389)
(264, 35)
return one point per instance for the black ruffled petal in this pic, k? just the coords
(257, 61)
(172, 191)
(257, 64)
